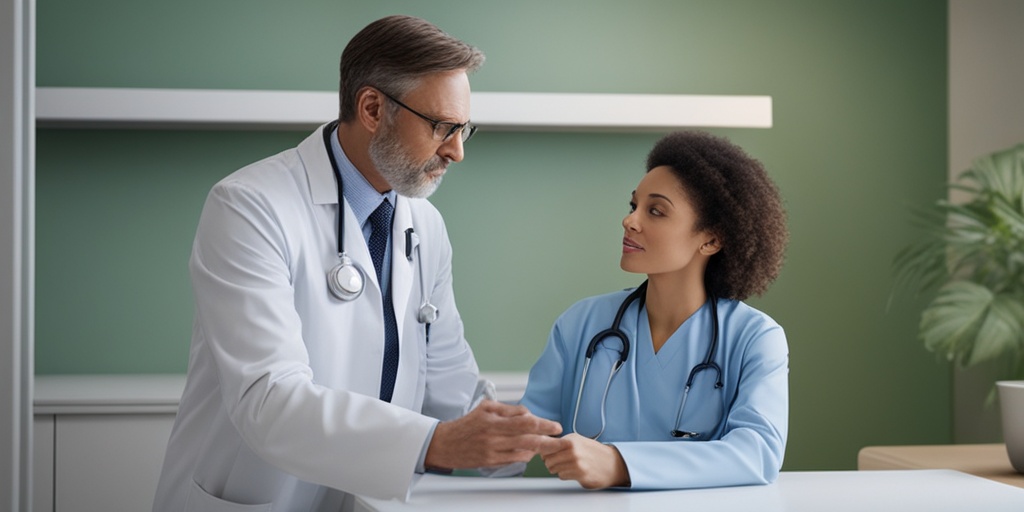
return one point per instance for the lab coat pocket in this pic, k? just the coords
(201, 501)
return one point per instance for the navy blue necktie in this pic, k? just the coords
(380, 221)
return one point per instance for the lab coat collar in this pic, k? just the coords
(322, 181)
(322, 186)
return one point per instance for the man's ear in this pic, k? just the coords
(370, 108)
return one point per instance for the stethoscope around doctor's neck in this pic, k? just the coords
(347, 279)
(615, 331)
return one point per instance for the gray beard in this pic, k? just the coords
(406, 177)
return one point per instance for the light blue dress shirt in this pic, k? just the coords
(743, 425)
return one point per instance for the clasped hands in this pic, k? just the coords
(496, 434)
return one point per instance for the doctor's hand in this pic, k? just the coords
(594, 465)
(492, 434)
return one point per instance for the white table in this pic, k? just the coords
(932, 490)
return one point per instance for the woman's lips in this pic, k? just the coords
(628, 245)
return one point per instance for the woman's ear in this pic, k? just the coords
(710, 247)
(370, 108)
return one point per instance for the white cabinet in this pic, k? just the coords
(42, 462)
(99, 440)
(108, 461)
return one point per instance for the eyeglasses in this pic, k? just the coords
(443, 130)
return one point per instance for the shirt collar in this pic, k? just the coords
(361, 196)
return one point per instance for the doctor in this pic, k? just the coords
(678, 383)
(328, 355)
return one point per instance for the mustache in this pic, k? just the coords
(436, 163)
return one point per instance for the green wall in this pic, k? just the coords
(859, 137)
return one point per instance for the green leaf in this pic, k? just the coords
(950, 323)
(921, 266)
(969, 324)
(1000, 332)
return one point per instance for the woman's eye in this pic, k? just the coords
(632, 207)
(656, 212)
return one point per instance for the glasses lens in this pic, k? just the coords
(445, 131)
(467, 131)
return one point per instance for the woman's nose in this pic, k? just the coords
(629, 221)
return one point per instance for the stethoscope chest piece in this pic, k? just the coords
(346, 280)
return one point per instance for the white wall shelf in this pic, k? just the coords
(76, 107)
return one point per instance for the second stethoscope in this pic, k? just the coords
(616, 332)
(347, 279)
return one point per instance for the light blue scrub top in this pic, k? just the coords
(743, 424)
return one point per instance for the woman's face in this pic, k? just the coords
(660, 230)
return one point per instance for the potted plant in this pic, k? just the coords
(970, 266)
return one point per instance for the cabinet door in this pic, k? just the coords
(109, 462)
(42, 463)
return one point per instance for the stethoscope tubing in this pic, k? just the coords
(427, 313)
(616, 331)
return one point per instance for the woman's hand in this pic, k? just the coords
(592, 464)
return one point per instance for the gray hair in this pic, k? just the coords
(393, 53)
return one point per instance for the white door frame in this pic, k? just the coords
(17, 250)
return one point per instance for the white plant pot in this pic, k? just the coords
(1011, 404)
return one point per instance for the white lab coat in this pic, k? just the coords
(280, 408)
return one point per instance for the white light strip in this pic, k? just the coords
(184, 108)
(629, 112)
(194, 108)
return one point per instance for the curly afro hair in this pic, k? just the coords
(736, 200)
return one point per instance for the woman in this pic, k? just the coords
(701, 397)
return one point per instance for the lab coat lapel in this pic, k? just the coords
(401, 266)
(402, 280)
